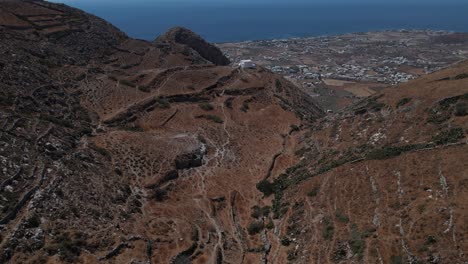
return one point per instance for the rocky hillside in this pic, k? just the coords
(119, 150)
(116, 150)
(384, 181)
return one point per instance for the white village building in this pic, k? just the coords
(247, 64)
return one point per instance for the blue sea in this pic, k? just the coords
(239, 22)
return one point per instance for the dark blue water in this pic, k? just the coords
(235, 23)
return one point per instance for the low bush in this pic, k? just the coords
(255, 227)
(285, 241)
(266, 187)
(144, 89)
(314, 192)
(162, 103)
(461, 109)
(393, 151)
(206, 106)
(328, 230)
(341, 216)
(452, 135)
(215, 118)
(403, 101)
(128, 83)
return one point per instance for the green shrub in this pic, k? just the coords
(285, 241)
(314, 192)
(270, 224)
(391, 151)
(357, 243)
(279, 86)
(460, 76)
(57, 121)
(144, 89)
(228, 102)
(266, 187)
(33, 222)
(215, 118)
(162, 103)
(396, 260)
(245, 105)
(403, 101)
(341, 216)
(294, 128)
(452, 135)
(329, 229)
(255, 227)
(206, 106)
(461, 109)
(128, 83)
(431, 240)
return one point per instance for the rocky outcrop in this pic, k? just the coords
(190, 39)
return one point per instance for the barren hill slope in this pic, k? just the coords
(384, 181)
(119, 150)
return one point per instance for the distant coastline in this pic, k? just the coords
(222, 24)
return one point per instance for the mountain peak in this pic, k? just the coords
(184, 36)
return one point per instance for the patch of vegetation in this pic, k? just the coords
(294, 128)
(461, 109)
(285, 241)
(328, 230)
(144, 89)
(314, 192)
(357, 242)
(259, 212)
(159, 194)
(6, 99)
(270, 224)
(403, 102)
(431, 240)
(452, 135)
(438, 117)
(266, 187)
(133, 128)
(214, 118)
(33, 221)
(245, 105)
(104, 152)
(57, 121)
(206, 106)
(369, 105)
(162, 103)
(278, 86)
(396, 260)
(68, 249)
(228, 102)
(341, 216)
(460, 76)
(346, 157)
(128, 83)
(255, 227)
(393, 151)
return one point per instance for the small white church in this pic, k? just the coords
(247, 64)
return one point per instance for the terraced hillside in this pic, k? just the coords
(117, 150)
(384, 181)
(121, 150)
